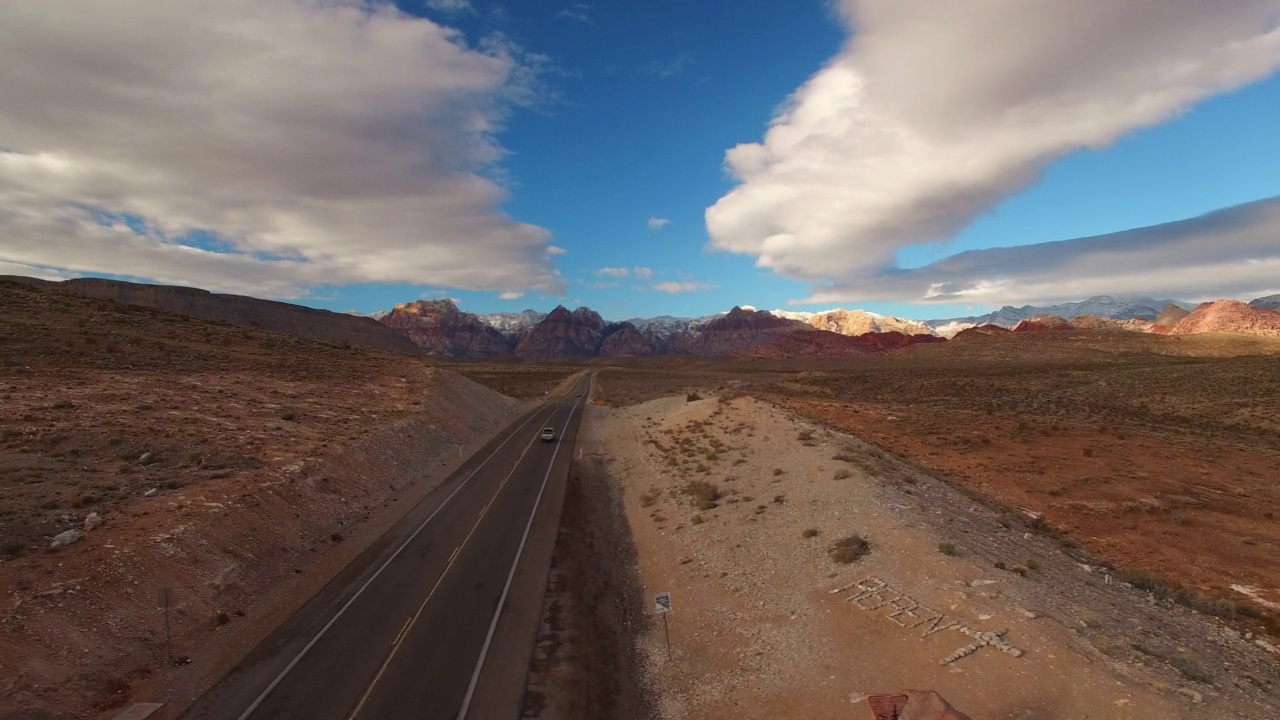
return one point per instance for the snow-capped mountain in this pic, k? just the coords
(512, 322)
(664, 326)
(1103, 306)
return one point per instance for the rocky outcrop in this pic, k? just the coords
(807, 344)
(981, 332)
(625, 339)
(1229, 316)
(283, 318)
(1093, 323)
(884, 341)
(438, 327)
(1046, 323)
(733, 332)
(1167, 318)
(564, 334)
(859, 322)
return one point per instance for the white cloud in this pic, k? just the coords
(934, 112)
(643, 273)
(1230, 253)
(670, 286)
(554, 250)
(614, 271)
(668, 68)
(511, 296)
(303, 143)
(657, 223)
(451, 7)
(576, 11)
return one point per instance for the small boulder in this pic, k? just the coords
(146, 458)
(151, 493)
(92, 522)
(65, 538)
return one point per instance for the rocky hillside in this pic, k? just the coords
(1270, 302)
(626, 339)
(1103, 306)
(564, 334)
(733, 332)
(284, 318)
(1167, 318)
(1229, 316)
(858, 322)
(440, 328)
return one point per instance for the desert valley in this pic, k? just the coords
(1097, 492)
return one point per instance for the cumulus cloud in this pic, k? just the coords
(511, 296)
(271, 147)
(670, 286)
(934, 112)
(554, 250)
(657, 223)
(576, 11)
(643, 273)
(617, 272)
(1228, 253)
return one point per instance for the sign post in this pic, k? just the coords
(166, 598)
(662, 603)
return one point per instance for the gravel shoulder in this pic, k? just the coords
(734, 505)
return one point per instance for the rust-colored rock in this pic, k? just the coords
(1229, 316)
(564, 334)
(733, 332)
(1046, 323)
(624, 339)
(440, 328)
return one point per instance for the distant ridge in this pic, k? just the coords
(279, 317)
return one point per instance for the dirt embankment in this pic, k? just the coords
(587, 663)
(755, 520)
(237, 467)
(82, 633)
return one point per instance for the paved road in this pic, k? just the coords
(437, 619)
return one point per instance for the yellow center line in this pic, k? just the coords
(408, 626)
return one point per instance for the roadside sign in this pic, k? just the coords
(663, 600)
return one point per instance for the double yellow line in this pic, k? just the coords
(408, 625)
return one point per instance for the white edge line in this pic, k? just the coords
(249, 711)
(497, 613)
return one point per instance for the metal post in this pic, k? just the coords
(666, 629)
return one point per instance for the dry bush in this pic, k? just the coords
(849, 549)
(704, 494)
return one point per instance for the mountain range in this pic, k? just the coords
(440, 328)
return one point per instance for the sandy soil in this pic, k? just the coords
(239, 468)
(766, 624)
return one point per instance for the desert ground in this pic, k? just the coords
(1057, 526)
(239, 468)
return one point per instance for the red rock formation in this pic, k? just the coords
(1047, 323)
(564, 334)
(1229, 316)
(440, 328)
(981, 332)
(883, 341)
(624, 339)
(733, 332)
(808, 343)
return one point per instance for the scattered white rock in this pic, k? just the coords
(151, 493)
(65, 538)
(146, 458)
(92, 522)
(1191, 695)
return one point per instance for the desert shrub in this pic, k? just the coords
(692, 396)
(778, 471)
(844, 457)
(704, 494)
(843, 474)
(948, 548)
(697, 520)
(1032, 564)
(288, 415)
(811, 532)
(805, 435)
(849, 549)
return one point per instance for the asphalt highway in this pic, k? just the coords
(436, 620)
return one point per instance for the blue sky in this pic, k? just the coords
(595, 118)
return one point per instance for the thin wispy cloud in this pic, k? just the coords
(555, 250)
(510, 296)
(451, 7)
(576, 11)
(909, 133)
(657, 223)
(124, 162)
(668, 68)
(618, 272)
(643, 273)
(671, 286)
